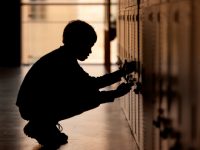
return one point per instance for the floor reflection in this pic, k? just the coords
(37, 147)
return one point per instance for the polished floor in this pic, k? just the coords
(103, 128)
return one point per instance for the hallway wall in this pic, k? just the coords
(10, 34)
(162, 37)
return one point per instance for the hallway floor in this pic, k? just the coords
(103, 128)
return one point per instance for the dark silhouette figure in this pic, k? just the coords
(57, 88)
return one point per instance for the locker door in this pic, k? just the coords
(136, 75)
(130, 59)
(122, 34)
(147, 76)
(134, 2)
(118, 6)
(156, 74)
(133, 110)
(122, 48)
(164, 51)
(123, 4)
(173, 102)
(175, 97)
(126, 3)
(126, 106)
(118, 35)
(129, 2)
(186, 116)
(145, 1)
(196, 71)
(140, 97)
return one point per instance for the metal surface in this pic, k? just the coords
(163, 39)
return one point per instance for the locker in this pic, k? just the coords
(156, 73)
(122, 47)
(195, 86)
(145, 1)
(118, 35)
(121, 34)
(136, 102)
(140, 97)
(147, 76)
(172, 97)
(133, 110)
(164, 51)
(184, 49)
(135, 2)
(162, 108)
(153, 2)
(126, 97)
(129, 3)
(129, 59)
(179, 68)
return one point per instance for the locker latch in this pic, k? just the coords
(168, 131)
(130, 79)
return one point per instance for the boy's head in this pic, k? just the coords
(80, 36)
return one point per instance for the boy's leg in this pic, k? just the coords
(25, 113)
(64, 112)
(42, 127)
(57, 112)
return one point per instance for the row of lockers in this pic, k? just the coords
(163, 107)
(126, 4)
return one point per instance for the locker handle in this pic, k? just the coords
(176, 17)
(158, 17)
(137, 17)
(151, 17)
(168, 130)
(133, 18)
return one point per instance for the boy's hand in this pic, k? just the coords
(129, 67)
(123, 89)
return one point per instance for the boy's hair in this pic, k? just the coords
(77, 32)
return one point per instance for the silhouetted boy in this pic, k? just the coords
(57, 88)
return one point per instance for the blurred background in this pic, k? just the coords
(43, 25)
(161, 112)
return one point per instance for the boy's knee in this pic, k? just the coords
(24, 113)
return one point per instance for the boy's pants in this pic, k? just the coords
(54, 113)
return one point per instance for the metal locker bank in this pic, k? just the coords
(163, 38)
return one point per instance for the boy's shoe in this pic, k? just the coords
(63, 136)
(45, 135)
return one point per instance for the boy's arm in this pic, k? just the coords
(107, 96)
(98, 82)
(108, 79)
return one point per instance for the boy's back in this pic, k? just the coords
(56, 69)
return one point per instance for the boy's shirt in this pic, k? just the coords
(57, 78)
